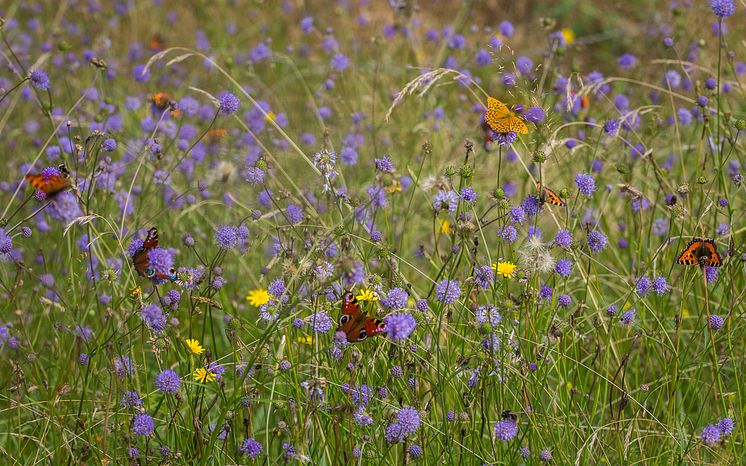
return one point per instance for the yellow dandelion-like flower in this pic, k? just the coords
(445, 227)
(270, 116)
(308, 339)
(136, 292)
(258, 297)
(506, 269)
(202, 375)
(367, 295)
(194, 346)
(569, 35)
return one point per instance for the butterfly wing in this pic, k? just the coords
(141, 257)
(688, 256)
(496, 112)
(516, 125)
(708, 250)
(550, 197)
(49, 185)
(356, 325)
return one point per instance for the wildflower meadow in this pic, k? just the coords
(372, 232)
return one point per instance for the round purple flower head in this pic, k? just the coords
(535, 115)
(295, 214)
(39, 80)
(545, 456)
(400, 326)
(716, 322)
(396, 299)
(563, 267)
(711, 434)
(226, 237)
(506, 429)
(628, 317)
(250, 448)
(228, 103)
(409, 420)
(168, 381)
(585, 183)
(143, 425)
(597, 241)
(723, 8)
(154, 317)
(726, 426)
(448, 291)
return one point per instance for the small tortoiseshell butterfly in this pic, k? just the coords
(548, 196)
(702, 252)
(50, 183)
(141, 258)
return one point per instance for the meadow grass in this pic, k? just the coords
(531, 306)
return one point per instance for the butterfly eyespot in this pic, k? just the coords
(344, 319)
(362, 335)
(149, 272)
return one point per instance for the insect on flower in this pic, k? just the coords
(499, 117)
(356, 325)
(702, 252)
(51, 180)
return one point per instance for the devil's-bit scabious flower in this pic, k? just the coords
(400, 326)
(535, 115)
(628, 317)
(226, 237)
(168, 381)
(716, 322)
(643, 286)
(563, 267)
(710, 434)
(563, 238)
(409, 420)
(250, 448)
(660, 286)
(726, 426)
(723, 8)
(586, 184)
(320, 322)
(39, 80)
(395, 299)
(597, 241)
(228, 103)
(294, 213)
(545, 456)
(506, 429)
(484, 276)
(448, 291)
(143, 425)
(154, 317)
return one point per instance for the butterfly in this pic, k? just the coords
(156, 43)
(141, 258)
(700, 251)
(499, 117)
(50, 184)
(163, 101)
(356, 325)
(548, 196)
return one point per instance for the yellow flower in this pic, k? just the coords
(506, 269)
(194, 346)
(270, 116)
(569, 35)
(445, 227)
(136, 293)
(308, 339)
(258, 297)
(366, 295)
(203, 375)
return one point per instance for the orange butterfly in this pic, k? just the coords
(156, 43)
(356, 325)
(499, 117)
(50, 181)
(163, 101)
(702, 252)
(548, 196)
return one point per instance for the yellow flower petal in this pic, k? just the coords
(258, 297)
(366, 295)
(506, 269)
(194, 346)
